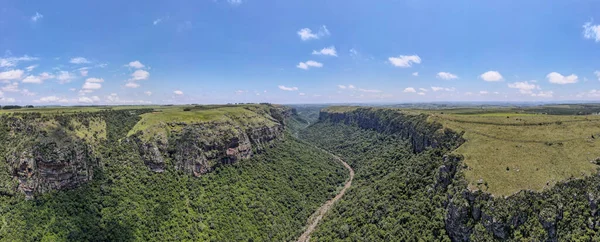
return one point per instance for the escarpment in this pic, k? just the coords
(198, 147)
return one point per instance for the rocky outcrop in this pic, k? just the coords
(421, 133)
(197, 148)
(41, 161)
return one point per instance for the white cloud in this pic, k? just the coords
(597, 73)
(31, 67)
(369, 90)
(36, 17)
(524, 87)
(308, 64)
(557, 78)
(342, 86)
(13, 61)
(148, 93)
(307, 34)
(240, 92)
(132, 85)
(354, 52)
(446, 75)
(235, 2)
(447, 89)
(7, 100)
(64, 77)
(287, 88)
(79, 60)
(415, 74)
(52, 99)
(423, 89)
(11, 75)
(405, 60)
(136, 64)
(543, 94)
(139, 75)
(94, 80)
(483, 92)
(421, 93)
(301, 94)
(85, 100)
(11, 87)
(326, 51)
(83, 72)
(26, 92)
(91, 86)
(32, 79)
(591, 31)
(409, 89)
(157, 21)
(178, 92)
(351, 86)
(491, 76)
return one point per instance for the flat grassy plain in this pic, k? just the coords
(509, 152)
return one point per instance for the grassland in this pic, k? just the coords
(508, 152)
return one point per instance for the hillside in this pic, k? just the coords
(225, 173)
(412, 182)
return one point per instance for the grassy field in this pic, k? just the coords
(508, 152)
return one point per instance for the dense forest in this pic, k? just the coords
(406, 194)
(267, 197)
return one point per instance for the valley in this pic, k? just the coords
(264, 172)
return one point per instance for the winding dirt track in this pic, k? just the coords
(318, 215)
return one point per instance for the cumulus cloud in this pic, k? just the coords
(524, 87)
(64, 77)
(446, 76)
(148, 93)
(308, 64)
(136, 64)
(483, 92)
(7, 100)
(282, 87)
(447, 89)
(132, 85)
(415, 74)
(139, 75)
(491, 76)
(557, 78)
(369, 90)
(543, 94)
(83, 72)
(13, 61)
(423, 89)
(79, 60)
(11, 87)
(342, 86)
(37, 79)
(52, 99)
(178, 92)
(92, 84)
(326, 51)
(11, 75)
(31, 67)
(409, 89)
(37, 16)
(26, 92)
(591, 31)
(421, 93)
(405, 60)
(86, 99)
(307, 34)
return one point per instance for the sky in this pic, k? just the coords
(73, 52)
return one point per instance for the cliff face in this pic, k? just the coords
(566, 212)
(40, 160)
(197, 148)
(421, 133)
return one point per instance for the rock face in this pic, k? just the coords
(416, 128)
(197, 148)
(41, 161)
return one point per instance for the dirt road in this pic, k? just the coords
(314, 219)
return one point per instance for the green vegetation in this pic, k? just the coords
(511, 152)
(267, 197)
(392, 197)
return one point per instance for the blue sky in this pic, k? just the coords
(221, 51)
